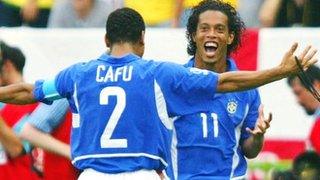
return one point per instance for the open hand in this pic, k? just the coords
(306, 58)
(262, 124)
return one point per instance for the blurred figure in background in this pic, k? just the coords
(15, 158)
(32, 13)
(81, 13)
(287, 13)
(249, 11)
(282, 175)
(309, 103)
(48, 127)
(306, 166)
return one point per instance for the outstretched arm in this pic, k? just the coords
(45, 141)
(20, 93)
(243, 80)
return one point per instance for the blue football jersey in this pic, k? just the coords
(122, 109)
(205, 145)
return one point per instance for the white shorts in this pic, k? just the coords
(89, 174)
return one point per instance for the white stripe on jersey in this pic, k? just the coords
(75, 97)
(235, 159)
(239, 177)
(75, 116)
(162, 106)
(88, 156)
(174, 152)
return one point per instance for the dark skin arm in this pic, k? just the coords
(20, 93)
(243, 80)
(10, 141)
(228, 82)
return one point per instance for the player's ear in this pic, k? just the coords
(193, 36)
(141, 41)
(106, 40)
(230, 38)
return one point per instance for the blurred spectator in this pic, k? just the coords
(183, 11)
(81, 13)
(16, 165)
(249, 11)
(309, 103)
(283, 175)
(306, 166)
(56, 120)
(287, 13)
(32, 13)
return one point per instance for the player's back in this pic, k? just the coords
(121, 109)
(118, 124)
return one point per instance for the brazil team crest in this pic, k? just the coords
(232, 106)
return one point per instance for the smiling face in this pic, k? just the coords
(212, 37)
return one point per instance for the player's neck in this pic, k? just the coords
(219, 66)
(121, 49)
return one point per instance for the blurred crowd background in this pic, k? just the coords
(158, 14)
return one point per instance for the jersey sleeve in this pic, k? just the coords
(61, 86)
(252, 115)
(186, 90)
(46, 118)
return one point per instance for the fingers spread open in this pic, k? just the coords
(311, 54)
(304, 52)
(293, 48)
(269, 118)
(311, 62)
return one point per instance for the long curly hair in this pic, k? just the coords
(235, 24)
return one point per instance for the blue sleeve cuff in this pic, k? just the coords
(45, 91)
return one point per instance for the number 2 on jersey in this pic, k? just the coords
(105, 139)
(204, 117)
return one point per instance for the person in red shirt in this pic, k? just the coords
(309, 103)
(49, 127)
(15, 161)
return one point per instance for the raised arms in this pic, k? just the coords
(243, 80)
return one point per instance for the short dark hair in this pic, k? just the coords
(235, 24)
(313, 72)
(306, 160)
(124, 25)
(12, 54)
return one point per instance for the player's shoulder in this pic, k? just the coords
(81, 66)
(169, 67)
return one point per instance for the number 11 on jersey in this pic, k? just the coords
(204, 117)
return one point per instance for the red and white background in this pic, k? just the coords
(48, 51)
